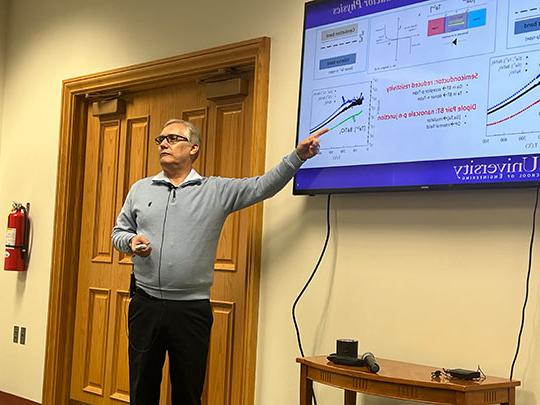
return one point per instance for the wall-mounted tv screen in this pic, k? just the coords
(420, 94)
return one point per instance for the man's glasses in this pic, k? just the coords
(171, 139)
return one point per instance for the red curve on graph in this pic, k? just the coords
(513, 115)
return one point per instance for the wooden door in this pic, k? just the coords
(119, 151)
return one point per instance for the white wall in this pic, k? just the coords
(435, 278)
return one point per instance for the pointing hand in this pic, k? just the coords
(309, 147)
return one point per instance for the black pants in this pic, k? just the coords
(181, 328)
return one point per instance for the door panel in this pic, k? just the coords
(231, 119)
(106, 169)
(199, 118)
(119, 151)
(119, 367)
(96, 340)
(227, 161)
(220, 353)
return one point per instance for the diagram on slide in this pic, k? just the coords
(430, 33)
(345, 111)
(398, 39)
(523, 23)
(514, 95)
(341, 49)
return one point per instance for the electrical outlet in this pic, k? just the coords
(22, 340)
(15, 334)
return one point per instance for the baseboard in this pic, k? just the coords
(9, 399)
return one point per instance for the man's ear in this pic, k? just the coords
(194, 152)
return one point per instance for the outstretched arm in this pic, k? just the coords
(240, 193)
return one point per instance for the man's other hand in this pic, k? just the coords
(309, 147)
(140, 246)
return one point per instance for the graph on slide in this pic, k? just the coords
(345, 111)
(514, 109)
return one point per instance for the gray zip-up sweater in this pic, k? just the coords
(183, 225)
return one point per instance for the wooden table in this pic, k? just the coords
(400, 380)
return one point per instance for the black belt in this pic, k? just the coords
(141, 292)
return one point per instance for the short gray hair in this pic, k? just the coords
(194, 133)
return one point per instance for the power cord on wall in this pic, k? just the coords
(308, 282)
(531, 244)
(323, 251)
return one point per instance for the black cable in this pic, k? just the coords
(323, 251)
(173, 189)
(527, 285)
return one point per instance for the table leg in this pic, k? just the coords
(350, 397)
(512, 396)
(306, 387)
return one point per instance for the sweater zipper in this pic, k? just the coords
(163, 237)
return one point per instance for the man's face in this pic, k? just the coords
(180, 153)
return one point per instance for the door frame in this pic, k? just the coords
(253, 53)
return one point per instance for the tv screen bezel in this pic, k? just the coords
(371, 189)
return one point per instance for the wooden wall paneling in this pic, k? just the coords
(165, 388)
(96, 344)
(230, 154)
(199, 118)
(228, 162)
(136, 152)
(105, 208)
(221, 354)
(83, 381)
(135, 155)
(229, 123)
(257, 147)
(120, 386)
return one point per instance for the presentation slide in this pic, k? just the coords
(421, 92)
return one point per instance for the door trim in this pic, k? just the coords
(69, 191)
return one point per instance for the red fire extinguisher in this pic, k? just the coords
(16, 254)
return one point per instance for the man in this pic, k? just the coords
(171, 224)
